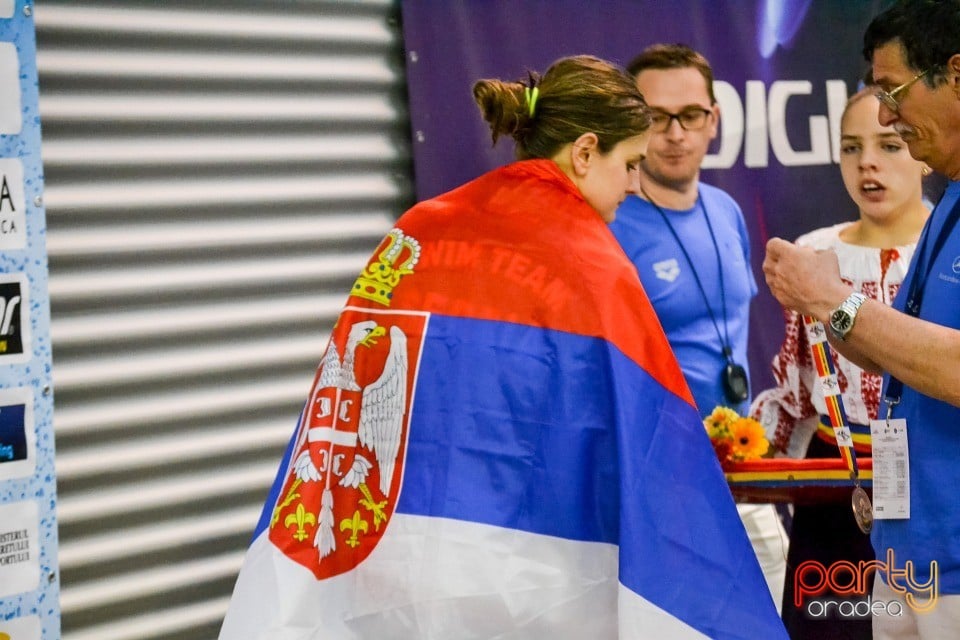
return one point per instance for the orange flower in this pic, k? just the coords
(734, 439)
(748, 441)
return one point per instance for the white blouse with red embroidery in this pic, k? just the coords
(790, 411)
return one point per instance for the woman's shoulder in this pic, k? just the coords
(824, 237)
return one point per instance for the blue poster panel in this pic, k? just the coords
(783, 71)
(29, 578)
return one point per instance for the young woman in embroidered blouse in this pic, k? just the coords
(874, 252)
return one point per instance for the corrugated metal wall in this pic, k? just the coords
(216, 175)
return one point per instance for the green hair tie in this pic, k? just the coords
(532, 95)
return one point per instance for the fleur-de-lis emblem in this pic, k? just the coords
(355, 525)
(291, 496)
(379, 515)
(300, 518)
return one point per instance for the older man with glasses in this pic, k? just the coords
(914, 48)
(689, 243)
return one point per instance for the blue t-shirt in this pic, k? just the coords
(669, 281)
(933, 427)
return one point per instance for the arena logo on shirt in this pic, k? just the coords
(846, 579)
(956, 265)
(667, 270)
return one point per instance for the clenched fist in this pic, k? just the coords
(803, 279)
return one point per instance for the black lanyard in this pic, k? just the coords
(725, 338)
(918, 283)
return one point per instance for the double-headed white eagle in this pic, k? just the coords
(381, 416)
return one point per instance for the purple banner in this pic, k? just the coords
(783, 68)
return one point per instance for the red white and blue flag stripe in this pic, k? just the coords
(499, 444)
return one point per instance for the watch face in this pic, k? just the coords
(840, 321)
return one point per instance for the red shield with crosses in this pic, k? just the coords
(345, 473)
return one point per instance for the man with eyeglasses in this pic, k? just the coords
(914, 48)
(689, 243)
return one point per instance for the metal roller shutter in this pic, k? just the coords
(216, 175)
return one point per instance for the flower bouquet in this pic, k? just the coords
(742, 449)
(735, 438)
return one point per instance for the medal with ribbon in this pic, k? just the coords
(827, 377)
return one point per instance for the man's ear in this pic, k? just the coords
(715, 125)
(953, 67)
(583, 151)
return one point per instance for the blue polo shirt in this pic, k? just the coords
(669, 281)
(932, 533)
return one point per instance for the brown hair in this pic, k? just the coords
(673, 56)
(576, 95)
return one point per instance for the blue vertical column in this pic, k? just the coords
(29, 579)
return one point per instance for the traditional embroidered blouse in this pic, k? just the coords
(790, 411)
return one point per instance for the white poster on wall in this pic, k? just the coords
(13, 213)
(27, 628)
(19, 547)
(10, 120)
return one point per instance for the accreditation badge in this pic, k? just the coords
(891, 469)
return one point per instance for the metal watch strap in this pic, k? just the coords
(850, 307)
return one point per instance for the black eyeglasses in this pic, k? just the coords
(690, 119)
(889, 98)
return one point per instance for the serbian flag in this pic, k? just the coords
(499, 443)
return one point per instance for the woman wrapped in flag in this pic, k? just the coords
(498, 442)
(874, 251)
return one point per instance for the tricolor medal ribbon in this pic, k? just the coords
(829, 386)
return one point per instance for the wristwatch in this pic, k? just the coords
(843, 317)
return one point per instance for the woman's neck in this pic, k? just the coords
(903, 230)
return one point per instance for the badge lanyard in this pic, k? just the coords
(735, 376)
(827, 377)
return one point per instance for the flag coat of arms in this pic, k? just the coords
(499, 443)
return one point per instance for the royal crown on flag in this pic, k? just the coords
(398, 255)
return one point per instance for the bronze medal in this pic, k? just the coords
(862, 509)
